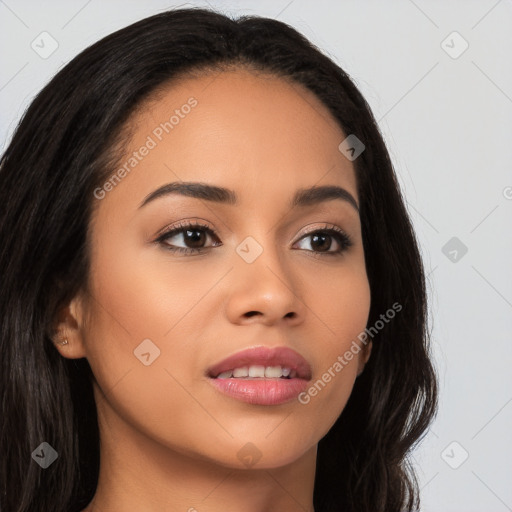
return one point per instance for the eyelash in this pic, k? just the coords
(344, 240)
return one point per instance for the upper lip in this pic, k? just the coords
(265, 356)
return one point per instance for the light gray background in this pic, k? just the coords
(448, 125)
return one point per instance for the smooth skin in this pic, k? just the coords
(169, 440)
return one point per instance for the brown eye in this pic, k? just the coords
(193, 236)
(322, 240)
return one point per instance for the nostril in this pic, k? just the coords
(251, 313)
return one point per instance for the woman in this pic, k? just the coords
(207, 265)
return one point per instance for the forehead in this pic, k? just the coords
(256, 133)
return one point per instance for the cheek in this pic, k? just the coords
(342, 312)
(144, 293)
(133, 301)
(339, 301)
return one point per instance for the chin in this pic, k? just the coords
(263, 453)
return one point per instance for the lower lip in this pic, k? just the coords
(261, 391)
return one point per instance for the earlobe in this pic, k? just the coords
(68, 330)
(363, 359)
(368, 352)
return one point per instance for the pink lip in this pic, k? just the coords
(262, 391)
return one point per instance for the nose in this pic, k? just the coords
(265, 291)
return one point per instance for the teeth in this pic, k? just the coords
(241, 372)
(273, 371)
(258, 371)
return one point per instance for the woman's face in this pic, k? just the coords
(157, 321)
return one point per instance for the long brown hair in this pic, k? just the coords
(62, 150)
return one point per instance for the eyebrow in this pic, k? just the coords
(302, 198)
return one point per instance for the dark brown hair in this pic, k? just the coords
(63, 148)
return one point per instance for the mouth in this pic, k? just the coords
(261, 375)
(258, 372)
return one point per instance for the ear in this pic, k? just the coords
(69, 325)
(364, 356)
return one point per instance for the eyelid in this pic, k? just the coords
(344, 240)
(324, 226)
(182, 225)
